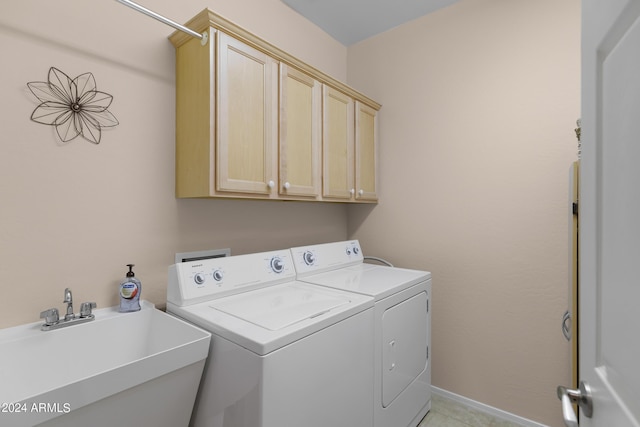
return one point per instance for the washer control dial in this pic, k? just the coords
(218, 275)
(277, 265)
(199, 278)
(352, 249)
(309, 258)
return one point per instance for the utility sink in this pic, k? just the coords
(124, 369)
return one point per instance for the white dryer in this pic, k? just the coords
(402, 324)
(283, 352)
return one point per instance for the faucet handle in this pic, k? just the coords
(50, 316)
(85, 309)
(68, 298)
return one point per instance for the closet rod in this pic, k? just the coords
(203, 37)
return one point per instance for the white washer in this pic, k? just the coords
(402, 324)
(283, 352)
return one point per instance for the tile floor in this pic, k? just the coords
(448, 413)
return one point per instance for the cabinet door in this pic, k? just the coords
(366, 143)
(300, 133)
(338, 144)
(247, 118)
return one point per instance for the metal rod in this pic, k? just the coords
(160, 18)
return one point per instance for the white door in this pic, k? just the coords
(610, 213)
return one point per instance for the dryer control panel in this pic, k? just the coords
(197, 281)
(326, 257)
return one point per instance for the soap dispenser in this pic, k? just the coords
(130, 290)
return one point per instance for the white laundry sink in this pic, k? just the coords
(140, 368)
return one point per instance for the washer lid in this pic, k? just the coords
(275, 308)
(374, 280)
(266, 319)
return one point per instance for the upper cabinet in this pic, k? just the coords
(226, 119)
(349, 156)
(365, 152)
(300, 133)
(246, 119)
(338, 145)
(253, 121)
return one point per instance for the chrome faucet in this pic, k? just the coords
(53, 321)
(68, 298)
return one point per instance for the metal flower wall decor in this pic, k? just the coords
(74, 106)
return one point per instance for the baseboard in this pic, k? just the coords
(498, 413)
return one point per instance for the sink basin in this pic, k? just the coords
(140, 368)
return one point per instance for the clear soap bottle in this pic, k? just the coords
(130, 290)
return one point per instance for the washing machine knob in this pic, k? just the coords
(356, 250)
(348, 250)
(309, 258)
(277, 265)
(218, 275)
(199, 278)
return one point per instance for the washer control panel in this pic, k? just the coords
(202, 280)
(325, 257)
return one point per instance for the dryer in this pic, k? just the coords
(402, 324)
(283, 352)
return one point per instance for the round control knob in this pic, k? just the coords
(199, 278)
(356, 250)
(348, 250)
(277, 265)
(218, 275)
(309, 258)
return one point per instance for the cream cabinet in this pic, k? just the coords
(246, 120)
(300, 133)
(366, 142)
(253, 121)
(338, 137)
(226, 119)
(349, 148)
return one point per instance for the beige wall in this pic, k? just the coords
(73, 215)
(479, 104)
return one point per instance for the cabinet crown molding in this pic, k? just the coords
(208, 20)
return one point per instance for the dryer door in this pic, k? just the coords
(404, 339)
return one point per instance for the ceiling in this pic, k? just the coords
(350, 21)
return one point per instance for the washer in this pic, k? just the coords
(283, 352)
(402, 324)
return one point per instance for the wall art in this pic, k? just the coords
(74, 106)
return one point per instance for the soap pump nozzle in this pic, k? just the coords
(130, 273)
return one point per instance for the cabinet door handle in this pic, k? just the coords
(286, 185)
(361, 192)
(271, 184)
(352, 191)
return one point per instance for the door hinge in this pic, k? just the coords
(574, 208)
